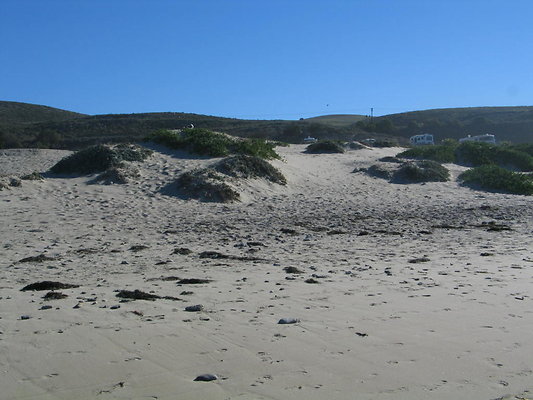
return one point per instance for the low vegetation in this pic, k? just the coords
(118, 175)
(206, 185)
(492, 177)
(421, 171)
(210, 184)
(213, 144)
(417, 171)
(99, 158)
(444, 153)
(325, 146)
(243, 166)
(518, 156)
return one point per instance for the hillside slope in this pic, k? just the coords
(340, 120)
(507, 123)
(14, 113)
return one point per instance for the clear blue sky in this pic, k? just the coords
(266, 58)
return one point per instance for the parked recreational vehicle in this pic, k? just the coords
(310, 139)
(480, 138)
(424, 139)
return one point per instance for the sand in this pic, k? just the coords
(418, 296)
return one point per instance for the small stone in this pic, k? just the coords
(116, 307)
(205, 378)
(197, 307)
(24, 317)
(46, 307)
(285, 321)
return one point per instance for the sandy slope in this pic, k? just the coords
(377, 326)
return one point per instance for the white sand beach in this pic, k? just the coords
(421, 291)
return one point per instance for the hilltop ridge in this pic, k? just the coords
(30, 125)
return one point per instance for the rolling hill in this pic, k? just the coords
(29, 125)
(14, 113)
(507, 123)
(72, 131)
(339, 120)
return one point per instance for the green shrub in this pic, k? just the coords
(522, 147)
(380, 171)
(421, 171)
(473, 153)
(492, 177)
(244, 166)
(255, 147)
(385, 143)
(34, 176)
(99, 158)
(444, 153)
(213, 144)
(206, 185)
(325, 146)
(476, 154)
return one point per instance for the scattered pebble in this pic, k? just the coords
(284, 321)
(197, 307)
(205, 378)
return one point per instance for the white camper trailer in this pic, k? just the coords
(480, 138)
(424, 139)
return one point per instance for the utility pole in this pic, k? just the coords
(372, 114)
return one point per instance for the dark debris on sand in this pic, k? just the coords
(48, 285)
(54, 296)
(140, 295)
(39, 258)
(293, 270)
(215, 255)
(193, 281)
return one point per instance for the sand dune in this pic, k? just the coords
(421, 291)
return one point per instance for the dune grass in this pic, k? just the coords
(492, 177)
(421, 171)
(475, 154)
(213, 144)
(325, 146)
(99, 158)
(244, 166)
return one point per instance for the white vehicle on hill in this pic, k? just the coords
(479, 138)
(310, 139)
(424, 139)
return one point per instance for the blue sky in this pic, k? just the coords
(266, 59)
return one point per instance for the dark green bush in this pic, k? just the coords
(34, 176)
(325, 146)
(380, 171)
(99, 158)
(475, 154)
(255, 147)
(213, 144)
(244, 166)
(444, 153)
(385, 143)
(206, 185)
(421, 171)
(492, 177)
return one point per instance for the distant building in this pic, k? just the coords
(424, 139)
(479, 138)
